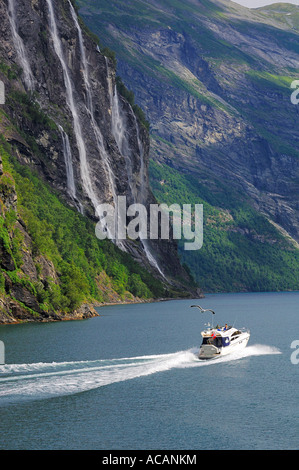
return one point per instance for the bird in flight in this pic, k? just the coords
(204, 309)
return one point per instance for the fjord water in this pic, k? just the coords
(130, 379)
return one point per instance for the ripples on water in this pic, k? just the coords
(20, 382)
(130, 379)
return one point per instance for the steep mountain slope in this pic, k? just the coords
(52, 267)
(284, 13)
(242, 250)
(69, 141)
(214, 79)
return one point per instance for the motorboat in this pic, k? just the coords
(221, 340)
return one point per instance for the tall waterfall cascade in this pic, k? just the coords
(127, 139)
(90, 108)
(71, 186)
(120, 133)
(19, 46)
(85, 174)
(68, 160)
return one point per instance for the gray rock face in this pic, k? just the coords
(214, 79)
(89, 144)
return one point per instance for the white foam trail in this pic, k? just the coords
(259, 350)
(19, 382)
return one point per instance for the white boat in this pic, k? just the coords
(221, 340)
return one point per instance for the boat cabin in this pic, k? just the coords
(220, 336)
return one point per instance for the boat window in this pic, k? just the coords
(236, 333)
(214, 341)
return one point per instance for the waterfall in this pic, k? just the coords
(151, 258)
(143, 193)
(68, 160)
(19, 45)
(143, 189)
(68, 163)
(110, 86)
(119, 131)
(120, 134)
(118, 124)
(90, 108)
(97, 132)
(71, 104)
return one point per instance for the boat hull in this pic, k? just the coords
(209, 351)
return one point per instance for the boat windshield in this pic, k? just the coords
(214, 341)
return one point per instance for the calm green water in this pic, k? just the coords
(130, 379)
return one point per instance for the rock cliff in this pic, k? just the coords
(214, 79)
(65, 118)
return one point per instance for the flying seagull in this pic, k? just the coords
(204, 309)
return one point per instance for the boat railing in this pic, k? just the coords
(244, 329)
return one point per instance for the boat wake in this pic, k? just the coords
(22, 382)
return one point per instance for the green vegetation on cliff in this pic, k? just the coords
(242, 250)
(68, 240)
